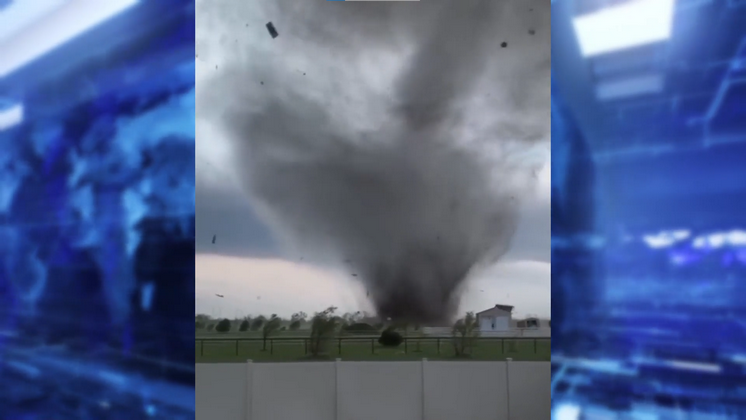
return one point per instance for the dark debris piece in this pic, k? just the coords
(272, 30)
(531, 32)
(214, 237)
(504, 44)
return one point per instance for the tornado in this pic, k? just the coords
(406, 179)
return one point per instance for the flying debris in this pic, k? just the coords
(504, 44)
(272, 30)
(531, 32)
(258, 298)
(219, 295)
(354, 275)
(214, 237)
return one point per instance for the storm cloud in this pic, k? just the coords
(409, 170)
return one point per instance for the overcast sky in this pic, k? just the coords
(349, 58)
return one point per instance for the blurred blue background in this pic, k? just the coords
(648, 220)
(96, 209)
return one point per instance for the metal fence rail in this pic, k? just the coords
(408, 342)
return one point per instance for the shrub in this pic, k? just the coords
(244, 326)
(223, 326)
(390, 338)
(360, 327)
(295, 325)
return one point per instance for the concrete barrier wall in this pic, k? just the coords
(292, 391)
(427, 390)
(221, 390)
(466, 391)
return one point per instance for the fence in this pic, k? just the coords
(515, 332)
(415, 390)
(351, 347)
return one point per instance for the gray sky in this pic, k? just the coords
(343, 70)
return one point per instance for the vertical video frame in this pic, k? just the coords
(373, 210)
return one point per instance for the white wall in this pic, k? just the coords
(427, 390)
(494, 323)
(221, 390)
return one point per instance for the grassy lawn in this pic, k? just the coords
(223, 348)
(250, 334)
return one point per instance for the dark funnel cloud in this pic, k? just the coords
(429, 189)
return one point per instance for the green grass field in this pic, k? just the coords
(238, 347)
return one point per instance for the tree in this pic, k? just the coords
(324, 326)
(210, 327)
(244, 325)
(199, 325)
(202, 318)
(352, 317)
(465, 333)
(223, 326)
(296, 320)
(270, 327)
(257, 323)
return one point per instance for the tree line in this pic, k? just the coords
(326, 325)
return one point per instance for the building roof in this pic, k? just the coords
(506, 308)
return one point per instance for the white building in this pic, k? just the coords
(498, 318)
(533, 322)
